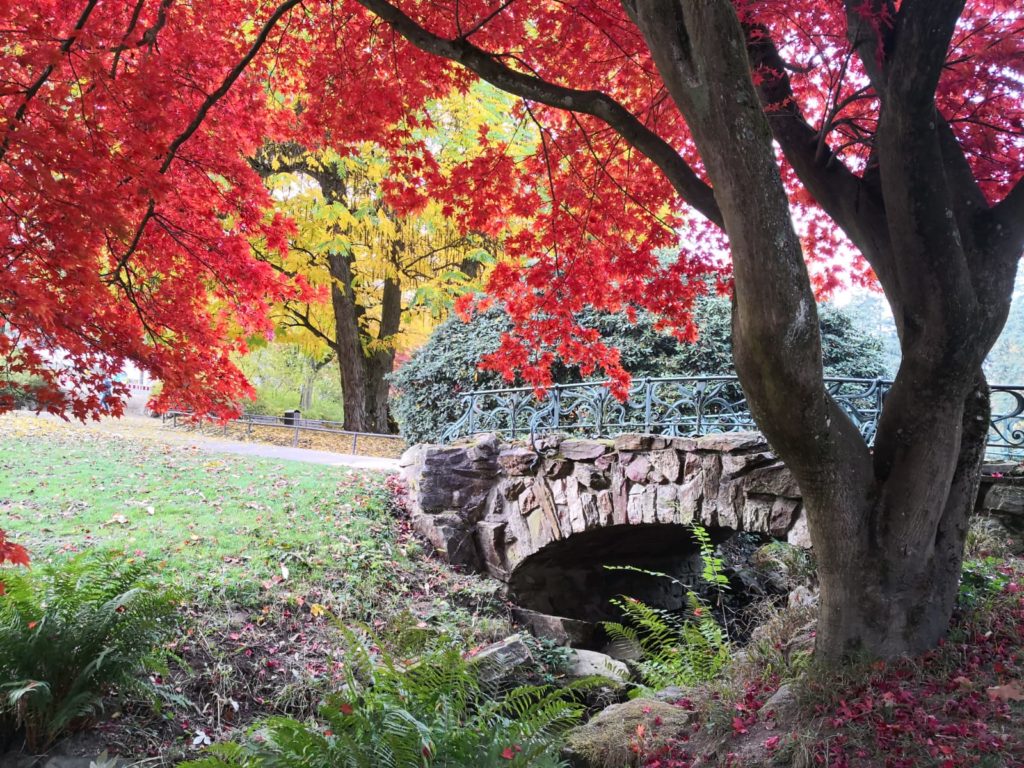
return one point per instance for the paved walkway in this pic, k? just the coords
(298, 454)
(144, 428)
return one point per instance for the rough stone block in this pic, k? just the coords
(450, 538)
(605, 508)
(631, 442)
(528, 500)
(517, 461)
(729, 442)
(667, 463)
(583, 663)
(689, 498)
(583, 450)
(512, 488)
(783, 515)
(548, 509)
(591, 476)
(591, 516)
(483, 449)
(757, 513)
(634, 505)
(773, 480)
(574, 508)
(491, 546)
(499, 661)
(639, 469)
(799, 535)
(684, 444)
(548, 442)
(649, 504)
(736, 464)
(1004, 499)
(557, 628)
(557, 468)
(667, 506)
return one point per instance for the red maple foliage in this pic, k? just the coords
(129, 208)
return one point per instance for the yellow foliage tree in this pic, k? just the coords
(387, 278)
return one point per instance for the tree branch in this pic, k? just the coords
(33, 89)
(847, 199)
(690, 187)
(302, 320)
(225, 86)
(198, 119)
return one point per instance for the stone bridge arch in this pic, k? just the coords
(547, 518)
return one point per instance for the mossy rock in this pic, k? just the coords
(607, 741)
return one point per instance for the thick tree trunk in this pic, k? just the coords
(890, 588)
(355, 397)
(364, 386)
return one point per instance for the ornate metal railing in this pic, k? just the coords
(687, 406)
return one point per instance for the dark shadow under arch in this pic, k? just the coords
(569, 578)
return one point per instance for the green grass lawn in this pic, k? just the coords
(256, 548)
(247, 530)
(209, 521)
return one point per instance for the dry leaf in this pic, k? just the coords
(1009, 692)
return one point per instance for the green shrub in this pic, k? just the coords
(435, 713)
(428, 388)
(70, 633)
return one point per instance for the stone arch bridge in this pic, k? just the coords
(548, 518)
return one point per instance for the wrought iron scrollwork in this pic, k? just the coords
(1006, 430)
(687, 407)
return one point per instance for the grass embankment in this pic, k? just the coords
(266, 552)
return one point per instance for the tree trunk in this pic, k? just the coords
(889, 588)
(306, 390)
(364, 386)
(889, 527)
(351, 366)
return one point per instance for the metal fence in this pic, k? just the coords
(290, 421)
(688, 406)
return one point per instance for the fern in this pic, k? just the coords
(677, 650)
(713, 568)
(70, 633)
(435, 713)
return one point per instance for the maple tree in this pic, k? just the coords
(129, 209)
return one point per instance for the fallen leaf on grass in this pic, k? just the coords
(1009, 692)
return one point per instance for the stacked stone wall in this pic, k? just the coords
(490, 505)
